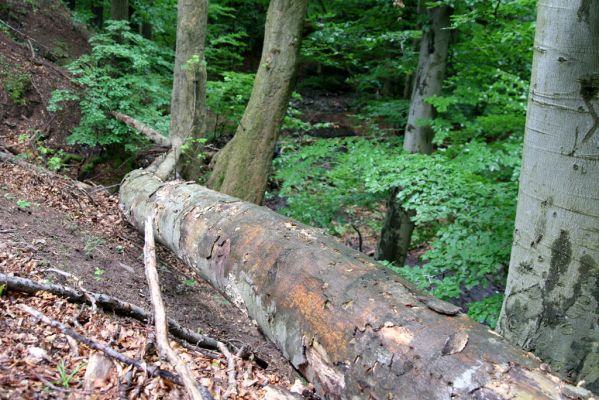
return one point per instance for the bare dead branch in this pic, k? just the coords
(231, 391)
(164, 348)
(109, 351)
(142, 128)
(107, 303)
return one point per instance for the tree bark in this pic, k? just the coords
(551, 305)
(352, 327)
(243, 165)
(397, 228)
(119, 10)
(188, 103)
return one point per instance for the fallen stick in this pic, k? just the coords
(109, 351)
(107, 303)
(142, 128)
(232, 384)
(194, 390)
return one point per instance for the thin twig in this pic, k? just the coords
(166, 352)
(109, 351)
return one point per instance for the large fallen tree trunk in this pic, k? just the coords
(353, 328)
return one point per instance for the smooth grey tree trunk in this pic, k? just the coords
(551, 304)
(188, 102)
(243, 165)
(397, 228)
(119, 10)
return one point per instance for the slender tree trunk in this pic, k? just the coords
(243, 165)
(353, 328)
(97, 9)
(146, 30)
(188, 103)
(119, 10)
(551, 305)
(398, 226)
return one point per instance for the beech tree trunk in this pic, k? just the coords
(551, 305)
(188, 103)
(397, 228)
(243, 165)
(119, 10)
(353, 328)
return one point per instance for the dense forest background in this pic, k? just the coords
(340, 154)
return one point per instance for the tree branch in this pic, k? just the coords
(166, 352)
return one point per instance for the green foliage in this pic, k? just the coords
(98, 273)
(461, 194)
(368, 44)
(65, 378)
(23, 204)
(326, 176)
(486, 311)
(487, 85)
(190, 282)
(126, 73)
(16, 83)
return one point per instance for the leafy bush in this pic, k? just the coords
(16, 83)
(124, 72)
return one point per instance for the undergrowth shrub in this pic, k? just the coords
(126, 73)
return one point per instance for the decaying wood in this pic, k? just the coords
(353, 328)
(109, 351)
(142, 128)
(108, 303)
(194, 390)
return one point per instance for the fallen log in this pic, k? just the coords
(352, 327)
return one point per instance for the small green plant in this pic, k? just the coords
(16, 84)
(486, 310)
(64, 377)
(98, 273)
(190, 282)
(91, 244)
(23, 204)
(9, 196)
(23, 137)
(2, 287)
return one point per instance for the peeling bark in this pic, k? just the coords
(353, 328)
(551, 305)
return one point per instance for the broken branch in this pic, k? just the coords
(164, 348)
(142, 128)
(109, 351)
(107, 303)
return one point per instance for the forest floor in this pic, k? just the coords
(48, 222)
(51, 223)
